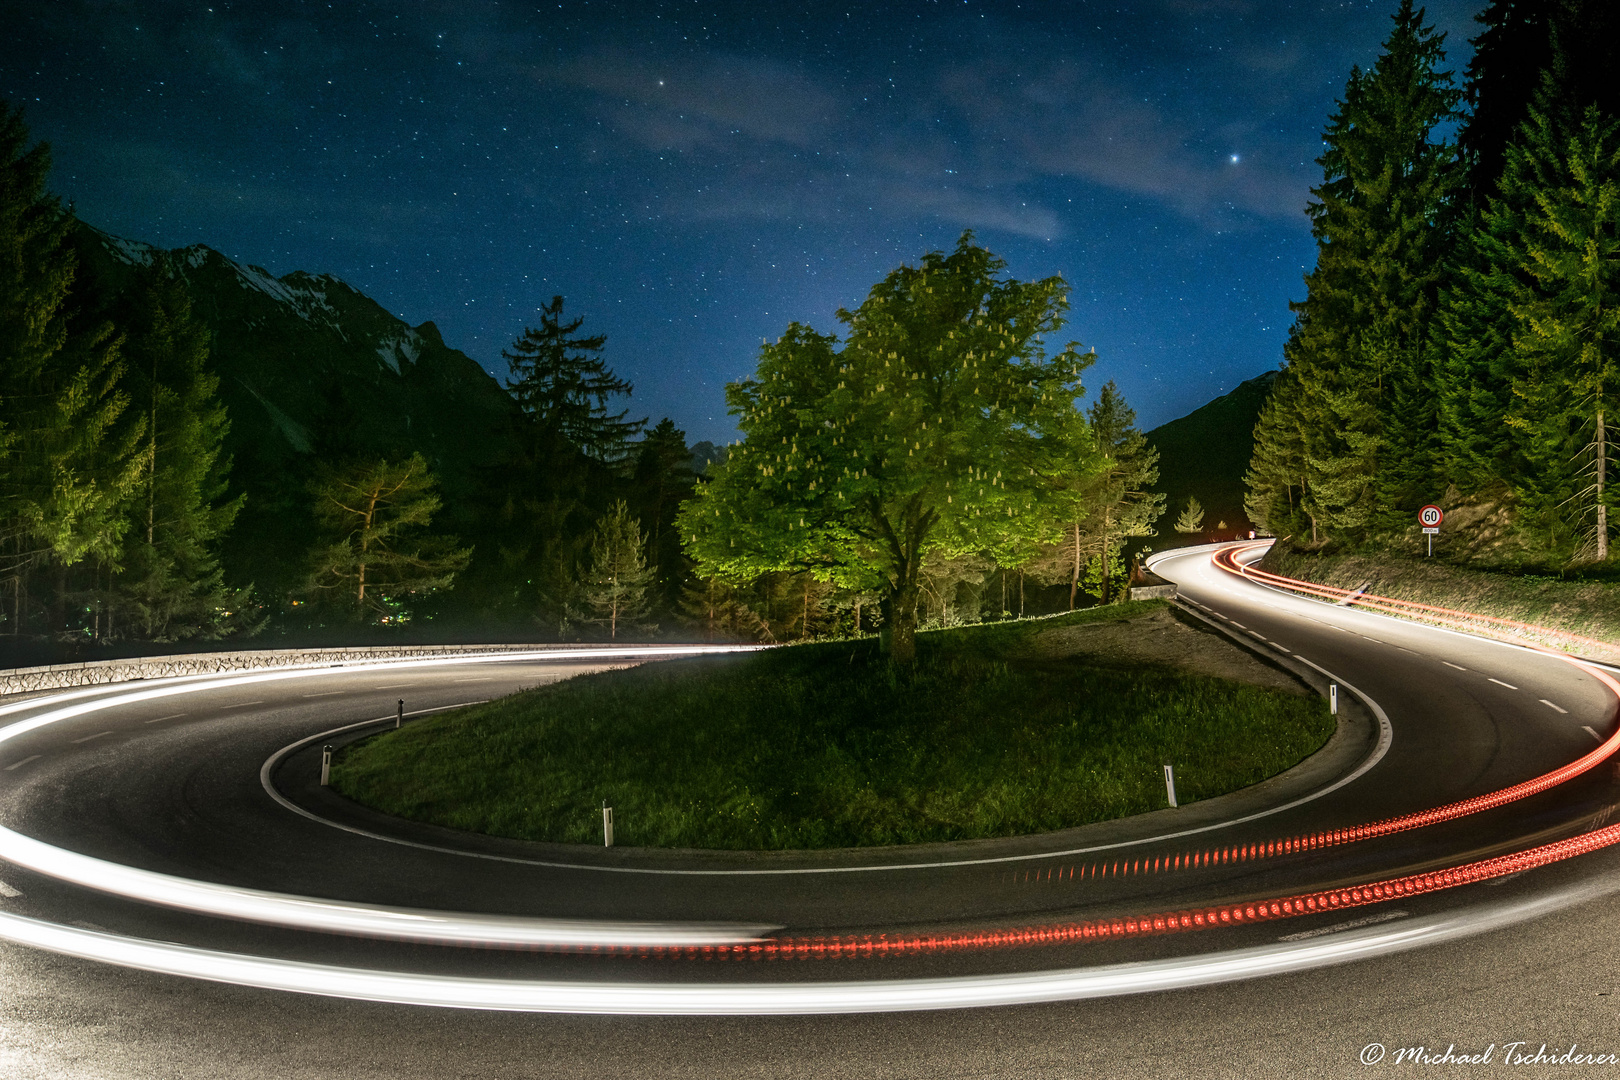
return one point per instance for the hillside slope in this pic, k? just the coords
(310, 368)
(1206, 454)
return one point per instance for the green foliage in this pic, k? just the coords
(614, 587)
(1191, 519)
(938, 429)
(1357, 353)
(172, 586)
(68, 438)
(1560, 209)
(1110, 500)
(832, 744)
(375, 515)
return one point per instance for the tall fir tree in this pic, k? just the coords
(561, 381)
(663, 479)
(70, 442)
(172, 586)
(614, 585)
(1577, 41)
(1559, 217)
(1382, 222)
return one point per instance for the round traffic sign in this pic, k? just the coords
(1431, 516)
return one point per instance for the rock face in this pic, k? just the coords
(309, 369)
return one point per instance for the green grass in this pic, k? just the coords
(1590, 608)
(830, 745)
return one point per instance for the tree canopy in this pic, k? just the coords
(939, 425)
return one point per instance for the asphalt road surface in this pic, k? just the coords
(173, 785)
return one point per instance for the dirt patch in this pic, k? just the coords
(1160, 638)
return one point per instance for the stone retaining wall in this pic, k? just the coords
(100, 672)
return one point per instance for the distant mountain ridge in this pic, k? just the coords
(312, 368)
(1206, 454)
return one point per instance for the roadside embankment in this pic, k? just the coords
(1585, 609)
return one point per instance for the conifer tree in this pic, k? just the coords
(1192, 517)
(1381, 219)
(172, 586)
(663, 479)
(71, 462)
(615, 585)
(561, 381)
(1565, 379)
(377, 550)
(1122, 504)
(719, 610)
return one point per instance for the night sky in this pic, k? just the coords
(692, 177)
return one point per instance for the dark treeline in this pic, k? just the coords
(1457, 340)
(192, 450)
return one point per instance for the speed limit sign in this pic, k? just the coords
(1431, 516)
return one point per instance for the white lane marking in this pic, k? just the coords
(242, 704)
(1499, 682)
(1237, 624)
(329, 693)
(8, 892)
(393, 686)
(472, 680)
(1370, 920)
(171, 716)
(1258, 634)
(1448, 663)
(1592, 733)
(1554, 708)
(24, 761)
(87, 738)
(1284, 648)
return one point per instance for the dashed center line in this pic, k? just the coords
(1284, 648)
(1448, 663)
(159, 720)
(329, 693)
(242, 704)
(393, 686)
(24, 761)
(474, 680)
(1237, 624)
(8, 892)
(87, 738)
(1554, 708)
(1499, 682)
(1592, 733)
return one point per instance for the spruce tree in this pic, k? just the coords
(70, 444)
(172, 586)
(614, 587)
(663, 479)
(1381, 219)
(561, 381)
(1276, 476)
(1192, 517)
(1576, 41)
(1565, 380)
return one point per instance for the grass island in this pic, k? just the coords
(995, 730)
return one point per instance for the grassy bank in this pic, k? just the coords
(829, 745)
(1588, 608)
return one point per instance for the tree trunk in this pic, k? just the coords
(902, 624)
(1602, 476)
(1074, 567)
